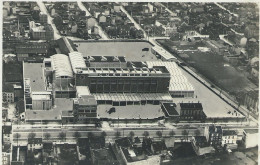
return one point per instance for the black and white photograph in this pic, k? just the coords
(104, 82)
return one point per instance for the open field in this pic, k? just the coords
(213, 67)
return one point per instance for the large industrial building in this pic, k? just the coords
(86, 82)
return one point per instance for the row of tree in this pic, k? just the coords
(62, 135)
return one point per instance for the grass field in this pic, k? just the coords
(213, 67)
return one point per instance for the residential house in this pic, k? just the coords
(74, 28)
(102, 18)
(8, 93)
(42, 33)
(7, 133)
(169, 142)
(6, 154)
(34, 143)
(158, 147)
(117, 8)
(47, 153)
(229, 139)
(26, 50)
(43, 18)
(201, 146)
(250, 138)
(91, 22)
(213, 135)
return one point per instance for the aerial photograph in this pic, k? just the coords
(130, 83)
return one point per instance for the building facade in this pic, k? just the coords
(149, 80)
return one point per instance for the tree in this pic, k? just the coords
(159, 134)
(197, 132)
(172, 133)
(47, 136)
(62, 136)
(17, 137)
(146, 133)
(77, 135)
(117, 134)
(31, 135)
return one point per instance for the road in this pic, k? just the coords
(222, 7)
(54, 133)
(137, 26)
(50, 19)
(55, 129)
(101, 32)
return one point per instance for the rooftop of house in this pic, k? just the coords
(7, 129)
(6, 147)
(201, 141)
(8, 87)
(34, 140)
(215, 129)
(159, 146)
(229, 132)
(31, 48)
(169, 142)
(123, 142)
(47, 146)
(104, 156)
(12, 72)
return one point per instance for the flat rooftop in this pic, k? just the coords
(251, 131)
(147, 111)
(171, 109)
(133, 51)
(42, 115)
(34, 72)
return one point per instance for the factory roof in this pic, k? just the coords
(178, 81)
(165, 54)
(61, 64)
(132, 96)
(77, 61)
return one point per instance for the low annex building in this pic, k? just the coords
(183, 111)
